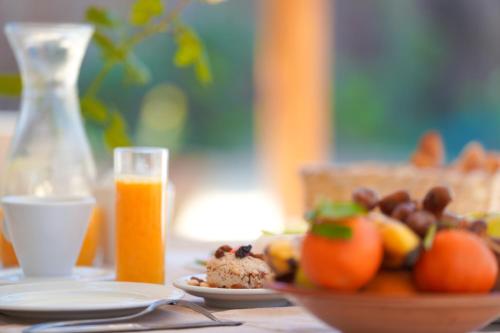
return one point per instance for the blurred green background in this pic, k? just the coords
(405, 66)
(401, 67)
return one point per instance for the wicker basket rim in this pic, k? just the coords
(372, 167)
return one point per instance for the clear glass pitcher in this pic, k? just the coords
(49, 153)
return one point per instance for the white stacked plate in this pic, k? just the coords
(80, 300)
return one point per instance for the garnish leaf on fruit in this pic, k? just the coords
(328, 210)
(332, 230)
(429, 237)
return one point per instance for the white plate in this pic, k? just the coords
(77, 299)
(232, 298)
(80, 273)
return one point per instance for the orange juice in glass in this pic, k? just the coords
(140, 181)
(7, 255)
(92, 238)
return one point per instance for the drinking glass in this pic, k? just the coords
(141, 183)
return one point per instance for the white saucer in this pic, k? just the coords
(80, 273)
(232, 298)
(78, 300)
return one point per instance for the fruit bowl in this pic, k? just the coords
(375, 313)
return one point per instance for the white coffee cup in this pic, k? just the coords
(47, 233)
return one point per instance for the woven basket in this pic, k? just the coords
(472, 192)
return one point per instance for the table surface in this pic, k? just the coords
(181, 255)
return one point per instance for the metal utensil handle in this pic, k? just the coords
(198, 309)
(150, 308)
(44, 327)
(106, 328)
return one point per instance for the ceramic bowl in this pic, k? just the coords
(423, 313)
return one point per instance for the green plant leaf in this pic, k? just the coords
(143, 11)
(94, 110)
(189, 47)
(109, 50)
(191, 52)
(115, 134)
(10, 85)
(328, 210)
(99, 16)
(332, 230)
(136, 72)
(429, 237)
(202, 70)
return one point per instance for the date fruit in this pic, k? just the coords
(365, 197)
(437, 199)
(403, 211)
(420, 221)
(391, 201)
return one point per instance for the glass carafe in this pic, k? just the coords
(49, 154)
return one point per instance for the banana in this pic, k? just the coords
(493, 222)
(401, 244)
(282, 257)
(301, 280)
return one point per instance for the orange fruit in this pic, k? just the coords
(392, 283)
(343, 264)
(458, 262)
